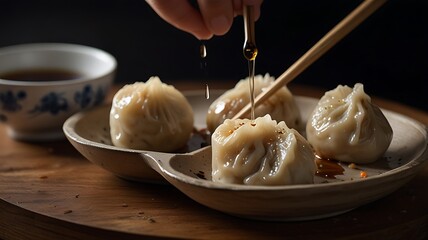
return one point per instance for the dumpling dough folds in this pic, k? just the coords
(346, 126)
(150, 116)
(261, 152)
(281, 105)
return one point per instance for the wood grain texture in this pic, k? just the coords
(49, 191)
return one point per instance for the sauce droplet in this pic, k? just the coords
(250, 51)
(202, 50)
(207, 91)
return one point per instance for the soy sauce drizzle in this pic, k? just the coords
(203, 63)
(250, 52)
(251, 70)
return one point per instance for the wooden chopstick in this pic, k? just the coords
(345, 26)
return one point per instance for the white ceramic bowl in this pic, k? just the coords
(35, 110)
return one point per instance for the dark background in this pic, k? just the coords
(388, 52)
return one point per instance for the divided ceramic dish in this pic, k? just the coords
(190, 172)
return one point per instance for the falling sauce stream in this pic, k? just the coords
(203, 55)
(250, 52)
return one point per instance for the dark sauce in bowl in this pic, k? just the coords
(40, 74)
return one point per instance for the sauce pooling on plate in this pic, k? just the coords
(328, 169)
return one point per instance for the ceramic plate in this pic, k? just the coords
(330, 195)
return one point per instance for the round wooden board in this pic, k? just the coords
(49, 191)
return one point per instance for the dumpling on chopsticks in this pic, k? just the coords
(261, 152)
(346, 126)
(281, 105)
(150, 116)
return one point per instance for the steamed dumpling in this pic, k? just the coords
(281, 105)
(150, 116)
(261, 152)
(347, 127)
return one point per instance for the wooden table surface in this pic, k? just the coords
(49, 191)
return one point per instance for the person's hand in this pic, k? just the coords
(214, 17)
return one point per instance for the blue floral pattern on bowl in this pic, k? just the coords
(88, 96)
(52, 103)
(100, 95)
(84, 98)
(10, 102)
